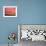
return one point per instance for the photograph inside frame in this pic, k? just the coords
(32, 32)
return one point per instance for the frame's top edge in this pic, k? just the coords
(31, 24)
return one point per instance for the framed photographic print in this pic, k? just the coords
(33, 32)
(9, 11)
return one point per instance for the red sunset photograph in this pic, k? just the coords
(10, 11)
